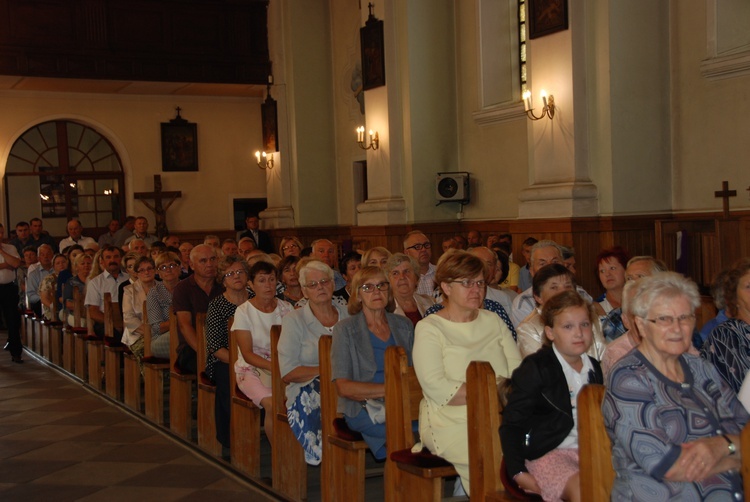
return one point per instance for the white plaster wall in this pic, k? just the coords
(312, 113)
(229, 131)
(495, 154)
(709, 119)
(628, 105)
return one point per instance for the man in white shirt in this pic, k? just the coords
(418, 246)
(9, 261)
(44, 268)
(106, 282)
(542, 253)
(75, 236)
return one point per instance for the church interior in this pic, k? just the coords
(648, 101)
(593, 123)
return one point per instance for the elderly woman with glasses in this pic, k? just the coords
(358, 355)
(132, 304)
(290, 246)
(298, 354)
(673, 421)
(445, 343)
(403, 275)
(232, 272)
(159, 301)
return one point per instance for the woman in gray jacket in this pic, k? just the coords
(358, 355)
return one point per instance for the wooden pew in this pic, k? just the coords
(342, 470)
(745, 450)
(594, 447)
(155, 370)
(288, 466)
(244, 425)
(79, 332)
(206, 395)
(68, 343)
(32, 330)
(132, 370)
(52, 336)
(409, 477)
(485, 452)
(113, 348)
(180, 388)
(94, 355)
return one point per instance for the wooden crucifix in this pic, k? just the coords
(725, 193)
(159, 210)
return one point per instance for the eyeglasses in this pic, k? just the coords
(470, 284)
(369, 288)
(289, 246)
(146, 270)
(164, 268)
(666, 321)
(420, 246)
(238, 272)
(130, 266)
(315, 284)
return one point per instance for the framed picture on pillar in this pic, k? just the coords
(547, 16)
(270, 125)
(179, 144)
(373, 52)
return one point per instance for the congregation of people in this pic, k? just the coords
(676, 394)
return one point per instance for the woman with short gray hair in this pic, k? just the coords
(298, 354)
(673, 420)
(402, 272)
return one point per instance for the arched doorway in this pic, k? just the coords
(62, 169)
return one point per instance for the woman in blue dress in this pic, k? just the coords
(358, 355)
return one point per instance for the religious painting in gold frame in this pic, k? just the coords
(373, 52)
(547, 17)
(268, 114)
(179, 145)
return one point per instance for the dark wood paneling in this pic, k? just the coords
(720, 241)
(212, 41)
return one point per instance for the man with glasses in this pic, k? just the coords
(417, 245)
(191, 297)
(107, 282)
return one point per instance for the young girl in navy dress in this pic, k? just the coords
(539, 433)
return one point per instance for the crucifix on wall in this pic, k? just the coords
(725, 193)
(159, 210)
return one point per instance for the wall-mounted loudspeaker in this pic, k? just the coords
(452, 187)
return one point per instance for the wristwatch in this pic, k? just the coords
(730, 445)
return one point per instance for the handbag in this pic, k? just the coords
(376, 409)
(264, 375)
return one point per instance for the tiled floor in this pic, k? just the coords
(60, 442)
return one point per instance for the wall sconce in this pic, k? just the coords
(548, 110)
(267, 160)
(374, 141)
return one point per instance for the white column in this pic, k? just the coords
(558, 148)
